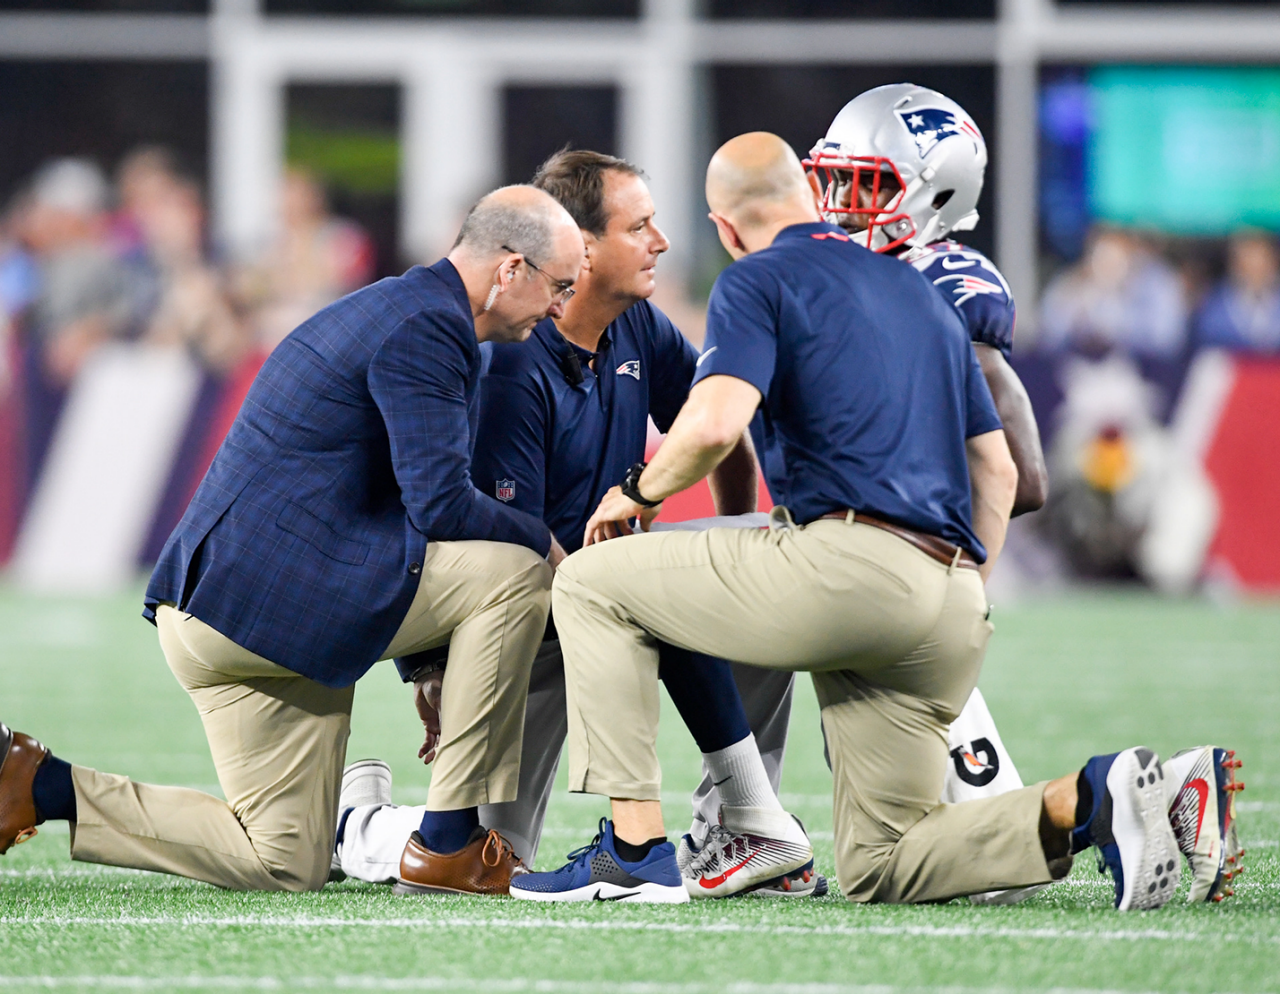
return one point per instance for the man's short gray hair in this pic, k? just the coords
(494, 224)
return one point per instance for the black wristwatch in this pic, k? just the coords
(631, 486)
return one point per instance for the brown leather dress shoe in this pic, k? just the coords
(485, 865)
(20, 757)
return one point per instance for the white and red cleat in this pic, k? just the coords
(736, 862)
(1200, 791)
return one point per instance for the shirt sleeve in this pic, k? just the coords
(971, 282)
(980, 413)
(674, 363)
(990, 320)
(511, 445)
(742, 323)
(418, 378)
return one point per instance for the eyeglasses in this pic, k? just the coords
(563, 289)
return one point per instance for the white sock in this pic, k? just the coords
(738, 773)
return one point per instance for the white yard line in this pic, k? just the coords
(506, 986)
(719, 928)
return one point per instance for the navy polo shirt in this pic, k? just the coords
(869, 380)
(552, 448)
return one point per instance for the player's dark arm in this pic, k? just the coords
(735, 481)
(1020, 428)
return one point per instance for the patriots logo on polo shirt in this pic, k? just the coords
(505, 490)
(930, 125)
(629, 368)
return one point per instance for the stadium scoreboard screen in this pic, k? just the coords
(1188, 150)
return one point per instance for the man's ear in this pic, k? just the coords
(729, 237)
(589, 241)
(506, 272)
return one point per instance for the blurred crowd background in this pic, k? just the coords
(132, 322)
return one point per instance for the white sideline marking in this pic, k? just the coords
(920, 931)
(367, 983)
(1250, 807)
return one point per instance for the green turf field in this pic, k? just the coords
(1064, 679)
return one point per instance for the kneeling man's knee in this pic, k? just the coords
(860, 869)
(297, 869)
(518, 573)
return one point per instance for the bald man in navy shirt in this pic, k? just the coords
(900, 485)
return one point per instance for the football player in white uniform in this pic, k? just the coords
(900, 169)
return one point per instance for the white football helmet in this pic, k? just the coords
(914, 158)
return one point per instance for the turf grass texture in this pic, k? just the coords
(1064, 678)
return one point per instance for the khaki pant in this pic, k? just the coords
(279, 739)
(894, 641)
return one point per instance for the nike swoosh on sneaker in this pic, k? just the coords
(705, 354)
(616, 897)
(1202, 789)
(717, 881)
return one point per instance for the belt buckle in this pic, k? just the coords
(780, 519)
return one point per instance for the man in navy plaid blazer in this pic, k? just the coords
(338, 525)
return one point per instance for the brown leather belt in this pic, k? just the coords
(931, 545)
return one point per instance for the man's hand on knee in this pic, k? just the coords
(426, 698)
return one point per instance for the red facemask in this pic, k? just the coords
(863, 172)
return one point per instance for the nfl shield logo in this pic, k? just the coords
(506, 490)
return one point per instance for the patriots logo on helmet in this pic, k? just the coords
(967, 287)
(629, 368)
(505, 490)
(930, 125)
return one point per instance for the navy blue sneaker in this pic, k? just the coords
(1130, 826)
(597, 873)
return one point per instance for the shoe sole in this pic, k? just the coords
(1149, 856)
(1230, 862)
(403, 888)
(364, 768)
(374, 769)
(645, 893)
(806, 883)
